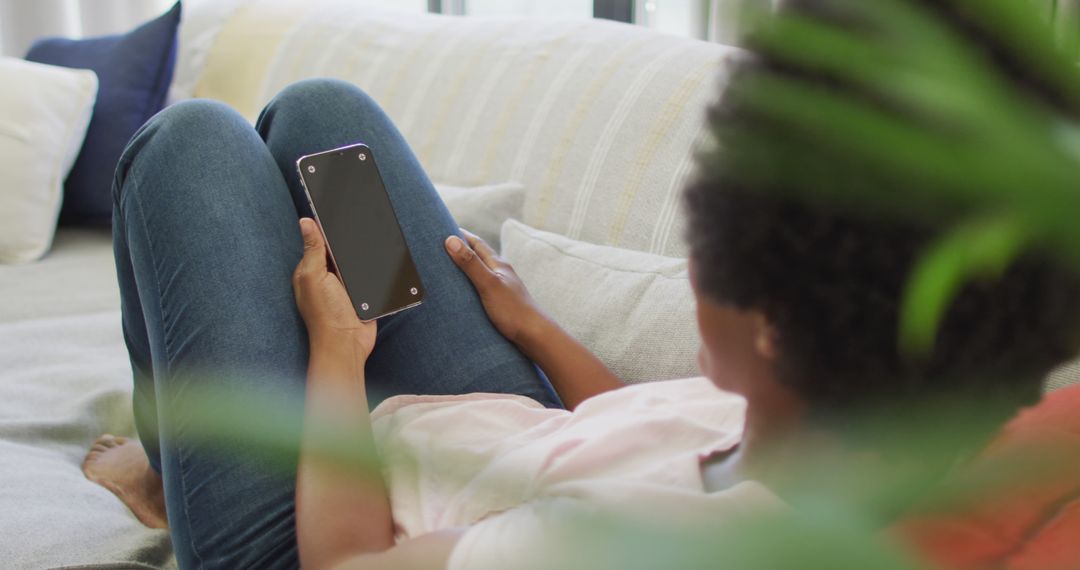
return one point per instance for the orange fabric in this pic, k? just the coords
(1057, 545)
(1032, 521)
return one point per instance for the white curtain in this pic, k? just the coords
(724, 18)
(23, 21)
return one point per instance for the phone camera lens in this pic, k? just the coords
(413, 291)
(363, 156)
(364, 307)
(311, 169)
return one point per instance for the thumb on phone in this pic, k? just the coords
(314, 248)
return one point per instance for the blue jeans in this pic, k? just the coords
(206, 239)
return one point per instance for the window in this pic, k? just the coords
(683, 17)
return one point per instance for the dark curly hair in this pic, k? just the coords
(830, 277)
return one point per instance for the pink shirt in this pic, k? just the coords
(508, 467)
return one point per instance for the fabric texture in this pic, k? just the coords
(134, 71)
(200, 23)
(46, 111)
(65, 381)
(1028, 522)
(482, 210)
(1065, 375)
(634, 310)
(597, 120)
(569, 531)
(498, 460)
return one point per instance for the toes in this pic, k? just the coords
(89, 462)
(107, 440)
(103, 444)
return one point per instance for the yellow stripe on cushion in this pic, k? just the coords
(510, 110)
(491, 94)
(627, 106)
(586, 103)
(474, 59)
(661, 128)
(244, 50)
(405, 69)
(661, 236)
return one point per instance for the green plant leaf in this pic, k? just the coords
(981, 249)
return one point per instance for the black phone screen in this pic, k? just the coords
(350, 202)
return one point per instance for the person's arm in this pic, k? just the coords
(339, 512)
(343, 516)
(575, 373)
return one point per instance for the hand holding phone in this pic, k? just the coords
(366, 245)
(322, 300)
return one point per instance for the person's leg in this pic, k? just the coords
(133, 324)
(447, 345)
(206, 241)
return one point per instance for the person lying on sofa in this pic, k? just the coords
(797, 305)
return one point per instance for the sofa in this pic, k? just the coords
(590, 124)
(582, 130)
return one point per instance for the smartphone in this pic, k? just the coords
(367, 248)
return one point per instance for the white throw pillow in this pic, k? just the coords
(634, 310)
(44, 113)
(483, 209)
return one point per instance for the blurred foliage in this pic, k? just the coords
(930, 127)
(244, 420)
(837, 512)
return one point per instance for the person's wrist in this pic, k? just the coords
(343, 344)
(535, 327)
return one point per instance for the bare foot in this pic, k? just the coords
(119, 464)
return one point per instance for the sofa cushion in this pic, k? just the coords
(482, 210)
(66, 380)
(42, 128)
(634, 310)
(200, 24)
(596, 119)
(134, 70)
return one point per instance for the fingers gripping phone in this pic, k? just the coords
(366, 245)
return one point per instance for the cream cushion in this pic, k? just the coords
(634, 310)
(200, 23)
(66, 380)
(482, 210)
(597, 120)
(44, 113)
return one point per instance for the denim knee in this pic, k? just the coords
(192, 132)
(316, 95)
(316, 115)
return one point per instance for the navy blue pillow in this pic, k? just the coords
(134, 73)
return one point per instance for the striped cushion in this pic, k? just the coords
(596, 119)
